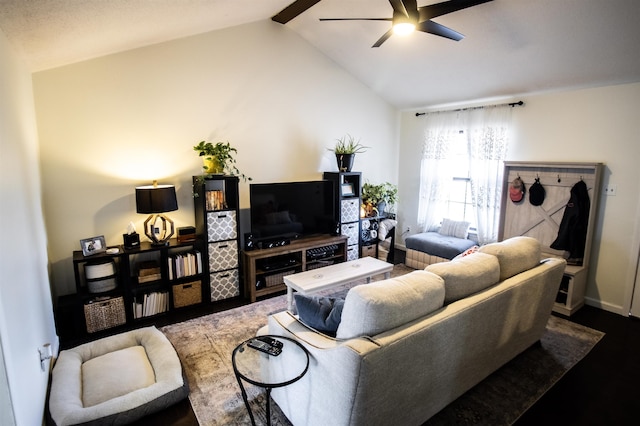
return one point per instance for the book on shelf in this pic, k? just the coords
(184, 264)
(150, 304)
(215, 200)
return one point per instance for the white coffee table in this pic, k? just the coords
(315, 280)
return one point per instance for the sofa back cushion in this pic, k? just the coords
(370, 309)
(515, 255)
(467, 275)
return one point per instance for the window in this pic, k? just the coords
(459, 205)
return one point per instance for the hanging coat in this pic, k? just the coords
(572, 235)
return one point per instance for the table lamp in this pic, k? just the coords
(155, 200)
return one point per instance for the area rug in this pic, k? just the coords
(205, 345)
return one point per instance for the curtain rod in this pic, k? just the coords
(511, 104)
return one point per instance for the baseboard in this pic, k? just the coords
(616, 309)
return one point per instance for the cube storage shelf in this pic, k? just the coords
(149, 282)
(216, 206)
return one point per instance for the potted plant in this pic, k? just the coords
(377, 197)
(345, 149)
(218, 158)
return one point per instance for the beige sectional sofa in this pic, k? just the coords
(408, 346)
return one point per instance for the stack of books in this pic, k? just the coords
(150, 304)
(215, 200)
(148, 271)
(184, 264)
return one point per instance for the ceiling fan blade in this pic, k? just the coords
(439, 9)
(439, 30)
(355, 19)
(293, 10)
(382, 39)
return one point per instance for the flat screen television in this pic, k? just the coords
(292, 209)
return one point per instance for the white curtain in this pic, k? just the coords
(487, 131)
(488, 136)
(435, 169)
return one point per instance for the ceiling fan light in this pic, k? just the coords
(404, 28)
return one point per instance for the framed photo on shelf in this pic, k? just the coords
(347, 189)
(93, 245)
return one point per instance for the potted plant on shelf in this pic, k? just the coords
(345, 149)
(376, 198)
(218, 158)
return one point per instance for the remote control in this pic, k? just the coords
(264, 347)
(271, 341)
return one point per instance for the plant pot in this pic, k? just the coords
(211, 165)
(345, 162)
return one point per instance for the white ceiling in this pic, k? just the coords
(512, 47)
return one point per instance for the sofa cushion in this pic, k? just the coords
(320, 313)
(467, 275)
(370, 309)
(515, 255)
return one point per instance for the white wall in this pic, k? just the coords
(110, 124)
(593, 125)
(26, 312)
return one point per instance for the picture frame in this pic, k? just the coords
(347, 189)
(93, 245)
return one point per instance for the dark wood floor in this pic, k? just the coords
(600, 389)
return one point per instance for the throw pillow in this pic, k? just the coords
(320, 313)
(454, 228)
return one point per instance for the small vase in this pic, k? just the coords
(211, 165)
(345, 162)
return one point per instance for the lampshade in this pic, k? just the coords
(156, 199)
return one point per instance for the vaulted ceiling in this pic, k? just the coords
(511, 47)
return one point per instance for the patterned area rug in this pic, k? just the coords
(205, 345)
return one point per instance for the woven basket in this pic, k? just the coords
(277, 279)
(187, 294)
(104, 314)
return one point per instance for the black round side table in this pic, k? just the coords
(269, 371)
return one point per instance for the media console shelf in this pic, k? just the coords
(264, 269)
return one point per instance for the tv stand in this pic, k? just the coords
(264, 269)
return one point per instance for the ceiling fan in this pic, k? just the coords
(407, 17)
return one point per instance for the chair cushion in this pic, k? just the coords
(370, 309)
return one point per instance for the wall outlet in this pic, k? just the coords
(611, 189)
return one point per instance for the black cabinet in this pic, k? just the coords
(134, 287)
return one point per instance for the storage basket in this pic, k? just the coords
(319, 264)
(101, 276)
(103, 314)
(277, 279)
(187, 294)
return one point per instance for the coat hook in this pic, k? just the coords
(559, 180)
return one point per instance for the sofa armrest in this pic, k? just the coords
(288, 325)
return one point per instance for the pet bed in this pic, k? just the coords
(116, 380)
